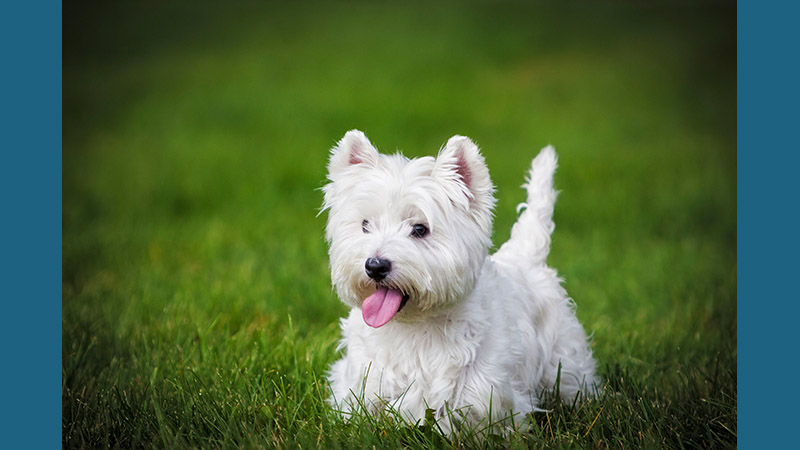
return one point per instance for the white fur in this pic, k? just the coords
(482, 335)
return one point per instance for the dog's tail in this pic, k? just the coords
(529, 244)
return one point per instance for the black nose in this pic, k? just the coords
(377, 268)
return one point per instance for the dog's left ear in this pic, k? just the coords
(460, 163)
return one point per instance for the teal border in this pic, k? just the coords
(30, 189)
(768, 201)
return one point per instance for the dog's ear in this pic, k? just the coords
(353, 149)
(460, 162)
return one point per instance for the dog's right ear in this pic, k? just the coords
(353, 149)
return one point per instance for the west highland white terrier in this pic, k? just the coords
(436, 322)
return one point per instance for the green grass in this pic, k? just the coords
(197, 307)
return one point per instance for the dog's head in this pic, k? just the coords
(407, 237)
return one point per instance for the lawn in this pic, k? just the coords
(197, 306)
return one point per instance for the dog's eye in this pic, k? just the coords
(364, 225)
(419, 230)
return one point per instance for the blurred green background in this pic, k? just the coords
(195, 141)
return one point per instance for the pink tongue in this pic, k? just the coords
(381, 306)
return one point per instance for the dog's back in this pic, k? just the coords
(567, 358)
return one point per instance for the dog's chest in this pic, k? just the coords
(431, 356)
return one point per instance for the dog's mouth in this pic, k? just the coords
(380, 307)
(403, 301)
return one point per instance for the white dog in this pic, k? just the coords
(437, 322)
